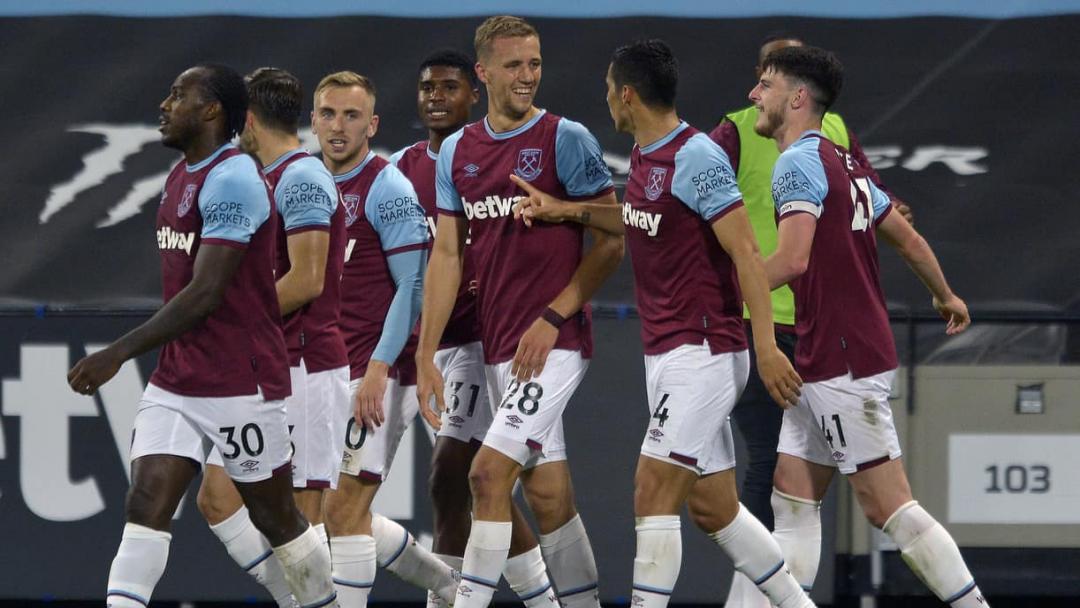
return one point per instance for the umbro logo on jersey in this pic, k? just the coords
(636, 218)
(168, 238)
(494, 206)
(471, 170)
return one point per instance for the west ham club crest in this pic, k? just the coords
(352, 208)
(529, 163)
(186, 201)
(654, 184)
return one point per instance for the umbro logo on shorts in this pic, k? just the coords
(456, 420)
(655, 434)
(250, 466)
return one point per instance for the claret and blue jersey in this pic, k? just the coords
(686, 286)
(841, 318)
(520, 270)
(387, 247)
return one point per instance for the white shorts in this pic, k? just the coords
(843, 423)
(370, 452)
(527, 424)
(251, 433)
(691, 394)
(468, 410)
(317, 419)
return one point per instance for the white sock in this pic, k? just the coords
(658, 560)
(249, 548)
(137, 567)
(485, 558)
(745, 594)
(306, 563)
(755, 553)
(454, 561)
(398, 552)
(320, 530)
(569, 558)
(797, 530)
(933, 556)
(354, 568)
(527, 576)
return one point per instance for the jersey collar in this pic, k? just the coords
(344, 177)
(284, 157)
(518, 131)
(199, 166)
(665, 140)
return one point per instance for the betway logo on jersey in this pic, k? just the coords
(636, 218)
(494, 206)
(167, 238)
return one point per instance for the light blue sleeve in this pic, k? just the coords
(703, 179)
(799, 182)
(396, 156)
(306, 195)
(407, 269)
(394, 211)
(880, 200)
(233, 201)
(446, 194)
(579, 161)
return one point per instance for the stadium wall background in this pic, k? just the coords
(943, 105)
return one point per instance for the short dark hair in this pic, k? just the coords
(651, 68)
(452, 58)
(817, 68)
(226, 86)
(274, 96)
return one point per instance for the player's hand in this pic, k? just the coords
(429, 383)
(533, 350)
(94, 370)
(537, 206)
(905, 212)
(955, 312)
(779, 377)
(368, 401)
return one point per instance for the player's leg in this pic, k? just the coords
(877, 476)
(548, 488)
(660, 490)
(253, 438)
(223, 508)
(758, 419)
(166, 451)
(158, 483)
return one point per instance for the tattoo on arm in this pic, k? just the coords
(585, 215)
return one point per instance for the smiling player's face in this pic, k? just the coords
(771, 97)
(344, 120)
(511, 70)
(444, 98)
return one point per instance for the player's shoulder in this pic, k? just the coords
(307, 168)
(390, 180)
(236, 171)
(409, 151)
(807, 149)
(568, 129)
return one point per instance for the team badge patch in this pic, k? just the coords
(529, 164)
(654, 185)
(352, 208)
(186, 201)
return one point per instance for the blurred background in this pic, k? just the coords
(965, 107)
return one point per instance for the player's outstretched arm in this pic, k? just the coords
(307, 269)
(541, 206)
(440, 292)
(596, 266)
(214, 268)
(794, 238)
(737, 238)
(917, 253)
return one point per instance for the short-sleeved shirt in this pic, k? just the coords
(307, 199)
(239, 349)
(521, 270)
(417, 162)
(383, 217)
(686, 285)
(843, 324)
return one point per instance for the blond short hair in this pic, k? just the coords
(345, 79)
(500, 26)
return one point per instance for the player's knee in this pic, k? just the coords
(647, 488)
(146, 507)
(278, 523)
(448, 485)
(875, 510)
(211, 506)
(486, 481)
(706, 515)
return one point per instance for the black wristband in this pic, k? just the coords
(553, 317)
